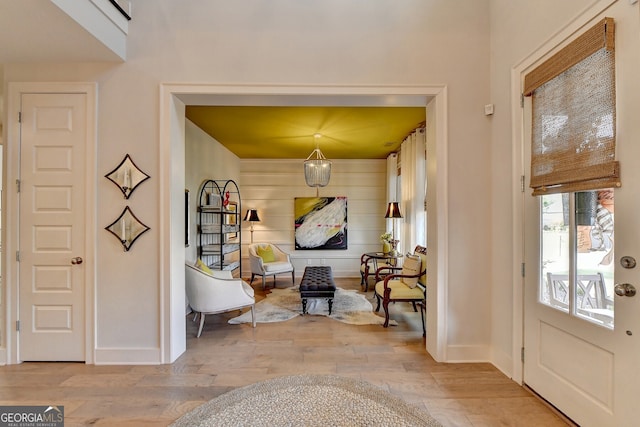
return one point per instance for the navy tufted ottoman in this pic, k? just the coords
(317, 282)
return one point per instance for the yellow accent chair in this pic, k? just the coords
(267, 259)
(404, 284)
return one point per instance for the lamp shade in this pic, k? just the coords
(252, 215)
(393, 211)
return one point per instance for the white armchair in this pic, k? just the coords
(217, 293)
(279, 263)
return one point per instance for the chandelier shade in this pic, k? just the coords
(317, 169)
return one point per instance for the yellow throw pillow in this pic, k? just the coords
(266, 254)
(204, 267)
(411, 267)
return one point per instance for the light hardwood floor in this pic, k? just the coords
(230, 356)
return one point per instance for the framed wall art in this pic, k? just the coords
(320, 222)
(232, 219)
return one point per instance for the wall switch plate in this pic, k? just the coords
(488, 109)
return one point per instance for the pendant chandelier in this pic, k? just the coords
(317, 169)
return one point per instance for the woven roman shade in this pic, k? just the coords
(574, 115)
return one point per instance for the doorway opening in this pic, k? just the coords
(175, 98)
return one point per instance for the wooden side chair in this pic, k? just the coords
(365, 270)
(404, 284)
(369, 265)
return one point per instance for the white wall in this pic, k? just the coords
(205, 158)
(271, 185)
(334, 42)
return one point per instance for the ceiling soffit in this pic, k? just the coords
(348, 132)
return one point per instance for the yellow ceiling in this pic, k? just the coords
(287, 132)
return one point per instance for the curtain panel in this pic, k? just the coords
(413, 160)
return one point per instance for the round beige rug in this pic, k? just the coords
(307, 400)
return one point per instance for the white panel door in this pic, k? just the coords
(52, 224)
(579, 355)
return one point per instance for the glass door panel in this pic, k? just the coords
(594, 256)
(577, 254)
(555, 248)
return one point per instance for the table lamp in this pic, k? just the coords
(393, 212)
(252, 216)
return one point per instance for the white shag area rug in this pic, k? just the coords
(283, 304)
(308, 400)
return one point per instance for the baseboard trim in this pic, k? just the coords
(468, 354)
(504, 362)
(127, 356)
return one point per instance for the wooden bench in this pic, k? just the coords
(317, 282)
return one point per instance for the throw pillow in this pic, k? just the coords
(266, 253)
(411, 267)
(204, 267)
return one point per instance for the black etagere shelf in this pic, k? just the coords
(219, 231)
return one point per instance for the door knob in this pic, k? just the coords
(76, 260)
(625, 290)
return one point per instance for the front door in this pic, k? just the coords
(52, 224)
(581, 340)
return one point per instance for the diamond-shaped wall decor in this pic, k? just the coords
(127, 228)
(127, 176)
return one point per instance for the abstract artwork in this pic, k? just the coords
(320, 222)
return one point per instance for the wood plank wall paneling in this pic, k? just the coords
(271, 186)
